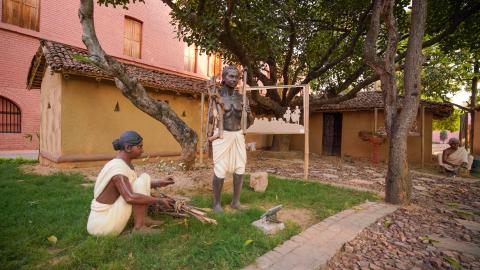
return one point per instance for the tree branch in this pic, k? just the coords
(351, 94)
(370, 48)
(413, 66)
(453, 23)
(320, 69)
(291, 45)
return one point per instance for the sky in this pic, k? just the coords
(461, 97)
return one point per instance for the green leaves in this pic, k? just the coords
(115, 3)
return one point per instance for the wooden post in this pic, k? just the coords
(244, 101)
(375, 125)
(306, 120)
(422, 111)
(202, 108)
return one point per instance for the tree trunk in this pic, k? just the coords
(398, 187)
(133, 90)
(398, 182)
(281, 143)
(473, 102)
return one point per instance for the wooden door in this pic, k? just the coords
(332, 134)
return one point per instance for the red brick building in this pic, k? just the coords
(141, 35)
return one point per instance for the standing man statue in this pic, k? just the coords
(229, 153)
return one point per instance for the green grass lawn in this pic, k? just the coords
(36, 207)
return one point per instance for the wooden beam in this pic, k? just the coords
(422, 111)
(375, 125)
(201, 126)
(306, 120)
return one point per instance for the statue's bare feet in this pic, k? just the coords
(236, 205)
(152, 222)
(217, 208)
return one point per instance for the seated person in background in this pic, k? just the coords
(118, 191)
(455, 157)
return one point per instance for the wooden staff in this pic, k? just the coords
(210, 116)
(244, 100)
(202, 112)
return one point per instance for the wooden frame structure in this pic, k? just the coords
(306, 119)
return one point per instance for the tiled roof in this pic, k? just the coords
(63, 58)
(365, 101)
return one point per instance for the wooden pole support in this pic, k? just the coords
(244, 101)
(202, 111)
(306, 120)
(422, 111)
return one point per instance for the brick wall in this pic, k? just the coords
(59, 22)
(18, 50)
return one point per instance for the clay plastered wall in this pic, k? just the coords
(316, 135)
(353, 123)
(352, 145)
(261, 140)
(89, 123)
(476, 140)
(50, 117)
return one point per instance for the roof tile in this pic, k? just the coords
(62, 58)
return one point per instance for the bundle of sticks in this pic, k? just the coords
(215, 112)
(179, 208)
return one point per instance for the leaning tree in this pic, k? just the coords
(132, 88)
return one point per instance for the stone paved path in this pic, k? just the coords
(312, 248)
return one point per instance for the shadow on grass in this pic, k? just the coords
(35, 207)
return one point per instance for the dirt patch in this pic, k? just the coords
(187, 183)
(57, 260)
(38, 169)
(301, 216)
(89, 173)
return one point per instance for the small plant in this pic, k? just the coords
(453, 262)
(171, 166)
(464, 214)
(428, 239)
(387, 223)
(454, 205)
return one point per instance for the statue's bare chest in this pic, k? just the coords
(232, 103)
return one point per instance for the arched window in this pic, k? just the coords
(10, 116)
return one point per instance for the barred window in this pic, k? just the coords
(10, 116)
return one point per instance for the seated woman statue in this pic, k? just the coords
(118, 191)
(454, 158)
